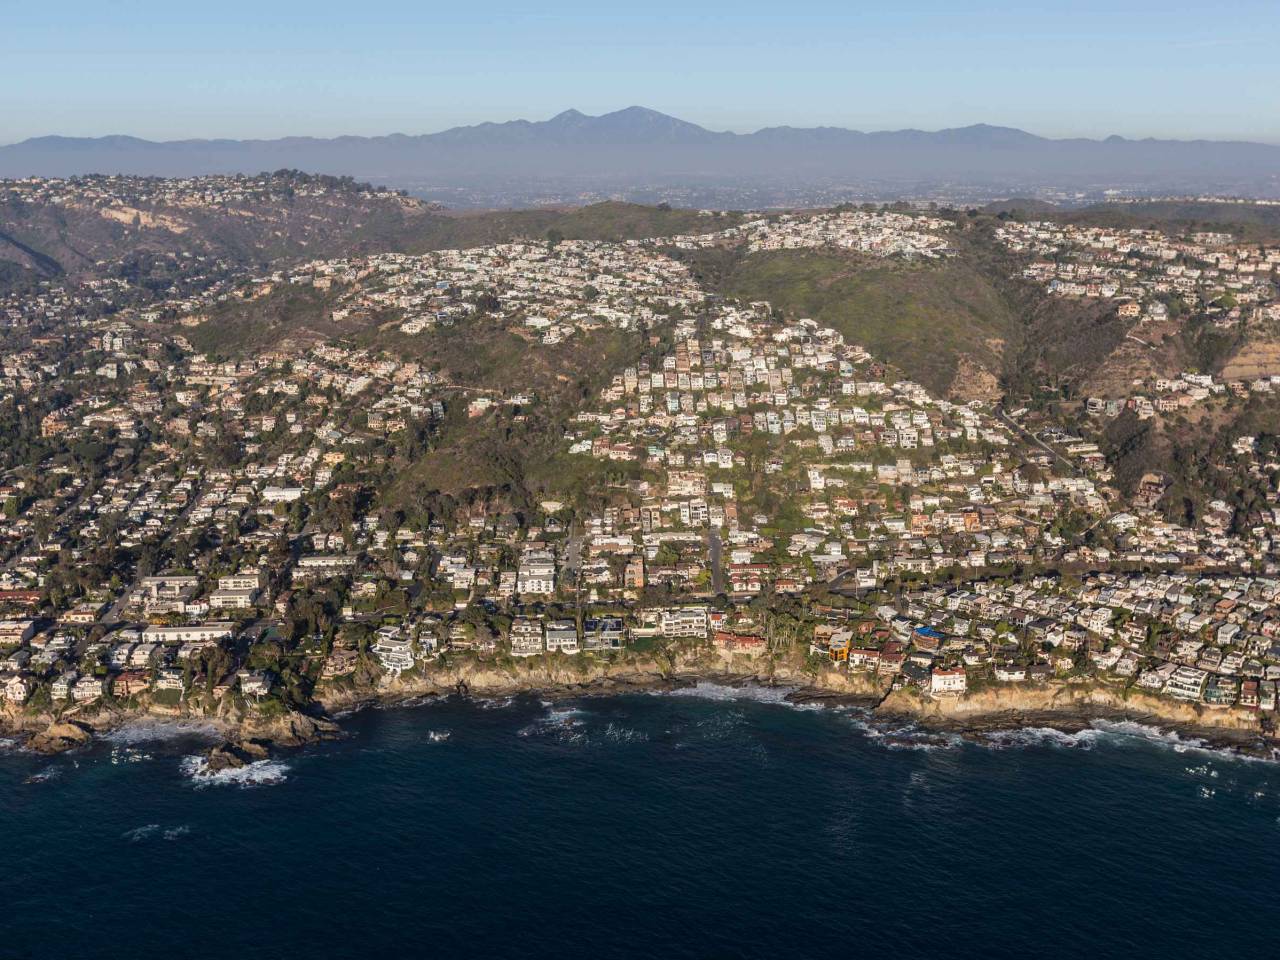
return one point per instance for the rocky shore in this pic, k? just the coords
(1069, 706)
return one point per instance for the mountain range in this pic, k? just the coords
(637, 146)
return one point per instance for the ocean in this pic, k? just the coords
(712, 823)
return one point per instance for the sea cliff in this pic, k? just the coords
(1065, 704)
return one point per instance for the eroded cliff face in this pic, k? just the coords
(1069, 699)
(1070, 702)
(559, 676)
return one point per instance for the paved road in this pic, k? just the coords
(715, 548)
(1032, 438)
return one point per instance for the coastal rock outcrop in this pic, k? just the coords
(232, 756)
(1079, 701)
(295, 730)
(60, 736)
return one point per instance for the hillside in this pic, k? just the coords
(513, 451)
(932, 320)
(1249, 221)
(267, 219)
(964, 326)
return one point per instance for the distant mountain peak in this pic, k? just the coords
(640, 145)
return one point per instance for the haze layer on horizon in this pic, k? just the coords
(162, 71)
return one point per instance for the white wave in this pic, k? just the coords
(439, 736)
(808, 706)
(497, 703)
(620, 734)
(1118, 733)
(707, 690)
(256, 774)
(1041, 736)
(561, 723)
(1204, 770)
(138, 834)
(151, 731)
(563, 713)
(1120, 730)
(176, 833)
(418, 701)
(906, 736)
(1129, 731)
(45, 775)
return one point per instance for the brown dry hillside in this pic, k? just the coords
(290, 223)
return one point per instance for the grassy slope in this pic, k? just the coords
(923, 318)
(517, 451)
(292, 314)
(600, 221)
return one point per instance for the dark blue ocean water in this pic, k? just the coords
(645, 826)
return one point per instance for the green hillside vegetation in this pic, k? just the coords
(922, 317)
(967, 326)
(1250, 221)
(16, 278)
(611, 220)
(1058, 342)
(292, 314)
(509, 451)
(1196, 459)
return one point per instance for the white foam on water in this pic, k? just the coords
(1122, 731)
(904, 736)
(707, 690)
(1204, 770)
(1022, 737)
(128, 755)
(562, 713)
(260, 773)
(144, 731)
(439, 736)
(809, 706)
(138, 834)
(620, 734)
(45, 775)
(562, 723)
(1115, 733)
(177, 833)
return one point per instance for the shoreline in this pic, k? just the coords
(1058, 706)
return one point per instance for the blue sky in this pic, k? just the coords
(280, 67)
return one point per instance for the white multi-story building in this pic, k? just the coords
(526, 637)
(537, 574)
(394, 652)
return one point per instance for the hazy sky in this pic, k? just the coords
(280, 67)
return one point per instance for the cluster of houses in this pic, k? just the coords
(1213, 640)
(1144, 269)
(750, 459)
(873, 233)
(879, 476)
(544, 291)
